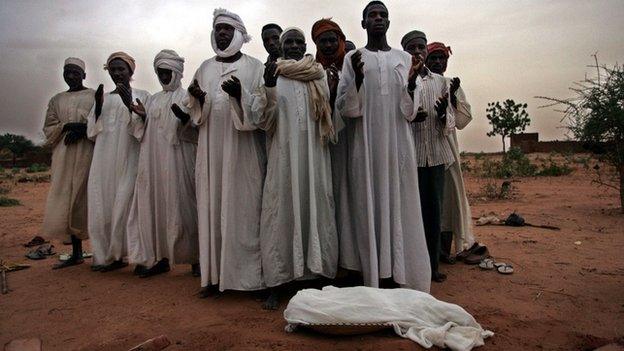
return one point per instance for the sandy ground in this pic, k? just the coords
(563, 296)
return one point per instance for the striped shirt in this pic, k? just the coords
(432, 147)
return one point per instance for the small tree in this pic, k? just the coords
(507, 119)
(17, 144)
(595, 116)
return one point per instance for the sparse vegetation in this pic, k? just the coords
(8, 202)
(36, 168)
(507, 118)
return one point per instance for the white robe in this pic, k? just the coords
(456, 214)
(163, 216)
(112, 176)
(66, 206)
(388, 235)
(298, 229)
(229, 175)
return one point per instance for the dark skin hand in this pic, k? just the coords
(196, 92)
(126, 97)
(440, 108)
(421, 115)
(358, 68)
(417, 65)
(181, 115)
(332, 81)
(233, 87)
(270, 78)
(99, 101)
(455, 82)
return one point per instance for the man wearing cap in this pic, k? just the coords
(456, 214)
(298, 231)
(225, 98)
(433, 151)
(376, 91)
(116, 124)
(65, 129)
(162, 226)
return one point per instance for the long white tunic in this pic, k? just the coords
(163, 217)
(229, 175)
(456, 214)
(298, 229)
(388, 236)
(66, 207)
(112, 176)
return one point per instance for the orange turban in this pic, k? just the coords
(326, 25)
(437, 46)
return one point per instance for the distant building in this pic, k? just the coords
(529, 142)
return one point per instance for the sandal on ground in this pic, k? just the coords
(160, 267)
(36, 241)
(504, 268)
(477, 255)
(41, 252)
(67, 256)
(487, 264)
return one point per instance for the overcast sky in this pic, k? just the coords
(501, 49)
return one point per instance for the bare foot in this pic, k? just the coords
(272, 302)
(68, 263)
(438, 277)
(207, 291)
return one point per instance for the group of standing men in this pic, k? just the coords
(262, 174)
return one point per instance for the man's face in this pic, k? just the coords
(376, 21)
(164, 75)
(327, 43)
(119, 71)
(436, 62)
(73, 75)
(224, 33)
(417, 46)
(294, 46)
(270, 40)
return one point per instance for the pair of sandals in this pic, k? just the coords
(502, 267)
(41, 252)
(474, 255)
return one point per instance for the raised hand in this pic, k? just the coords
(455, 82)
(358, 68)
(417, 65)
(139, 109)
(196, 92)
(181, 115)
(125, 94)
(332, 77)
(99, 101)
(270, 78)
(440, 107)
(233, 87)
(421, 115)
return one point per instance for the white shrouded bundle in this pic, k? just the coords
(413, 314)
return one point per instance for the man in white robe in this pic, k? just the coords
(226, 95)
(115, 124)
(376, 90)
(298, 231)
(65, 128)
(162, 226)
(456, 214)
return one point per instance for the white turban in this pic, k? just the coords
(169, 59)
(240, 32)
(75, 61)
(290, 29)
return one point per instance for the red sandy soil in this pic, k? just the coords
(563, 296)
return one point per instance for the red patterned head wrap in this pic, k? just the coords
(322, 26)
(437, 46)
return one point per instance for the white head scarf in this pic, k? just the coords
(240, 32)
(169, 59)
(75, 61)
(290, 29)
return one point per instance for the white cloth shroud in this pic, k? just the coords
(413, 314)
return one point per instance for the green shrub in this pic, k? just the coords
(36, 168)
(7, 202)
(554, 170)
